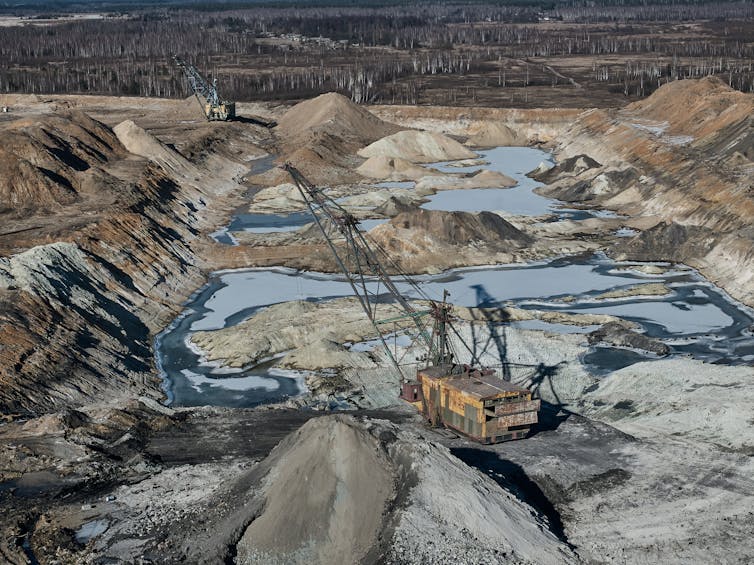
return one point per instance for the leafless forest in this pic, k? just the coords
(439, 53)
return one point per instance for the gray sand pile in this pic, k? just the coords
(340, 491)
(326, 495)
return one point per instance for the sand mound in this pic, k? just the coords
(45, 163)
(482, 179)
(320, 136)
(144, 144)
(493, 134)
(392, 169)
(418, 147)
(667, 242)
(393, 206)
(572, 166)
(278, 198)
(325, 497)
(458, 228)
(335, 115)
(329, 498)
(695, 107)
(433, 240)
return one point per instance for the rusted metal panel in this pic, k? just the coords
(456, 401)
(471, 415)
(505, 408)
(433, 405)
(521, 419)
(411, 392)
(483, 387)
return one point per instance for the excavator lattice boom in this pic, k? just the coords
(471, 400)
(214, 108)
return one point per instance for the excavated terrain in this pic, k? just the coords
(108, 209)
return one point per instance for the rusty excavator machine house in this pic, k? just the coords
(468, 398)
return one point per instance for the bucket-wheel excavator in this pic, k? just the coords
(468, 398)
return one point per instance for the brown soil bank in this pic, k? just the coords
(49, 162)
(83, 291)
(321, 137)
(422, 241)
(683, 156)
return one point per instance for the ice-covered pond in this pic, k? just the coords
(512, 161)
(695, 317)
(521, 199)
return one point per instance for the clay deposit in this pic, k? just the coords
(88, 282)
(701, 212)
(287, 327)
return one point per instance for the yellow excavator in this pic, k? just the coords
(468, 398)
(214, 108)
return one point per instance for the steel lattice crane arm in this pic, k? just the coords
(469, 399)
(206, 93)
(359, 262)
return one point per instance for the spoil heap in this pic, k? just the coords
(697, 108)
(320, 136)
(336, 514)
(81, 292)
(392, 169)
(434, 240)
(335, 115)
(418, 147)
(372, 493)
(682, 157)
(141, 143)
(54, 161)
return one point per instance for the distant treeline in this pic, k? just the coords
(375, 54)
(44, 8)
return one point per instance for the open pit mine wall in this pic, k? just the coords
(694, 174)
(684, 156)
(77, 315)
(484, 126)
